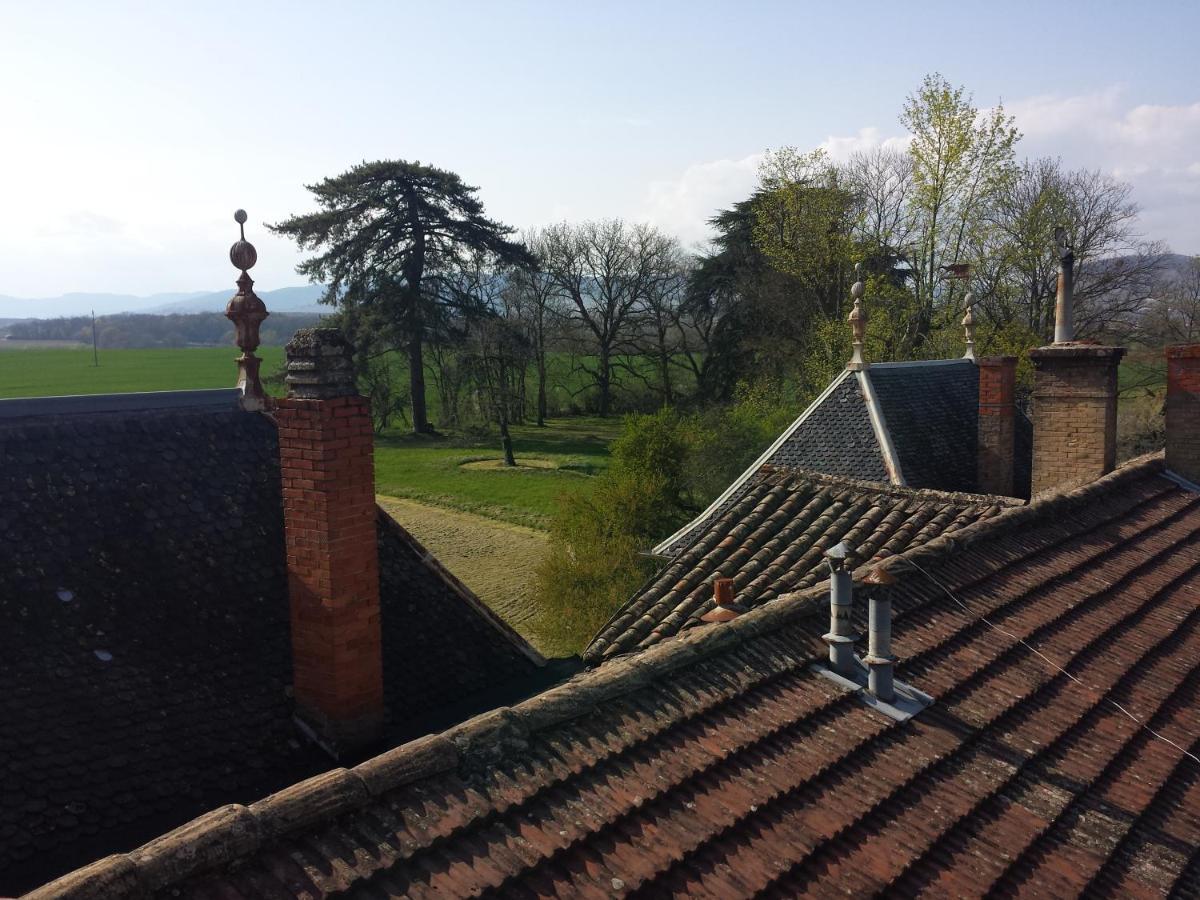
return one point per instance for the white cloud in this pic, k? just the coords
(683, 206)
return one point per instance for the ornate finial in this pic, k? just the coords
(247, 312)
(968, 323)
(857, 320)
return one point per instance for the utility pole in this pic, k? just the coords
(95, 351)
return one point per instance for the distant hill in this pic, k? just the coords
(302, 299)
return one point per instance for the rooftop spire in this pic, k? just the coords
(247, 312)
(857, 320)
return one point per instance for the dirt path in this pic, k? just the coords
(494, 559)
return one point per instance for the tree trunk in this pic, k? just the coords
(541, 390)
(416, 385)
(604, 380)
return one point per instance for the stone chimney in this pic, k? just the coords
(1183, 411)
(325, 449)
(1074, 397)
(997, 424)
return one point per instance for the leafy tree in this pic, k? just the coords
(385, 234)
(961, 159)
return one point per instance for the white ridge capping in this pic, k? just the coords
(891, 461)
(660, 549)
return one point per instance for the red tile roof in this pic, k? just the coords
(719, 763)
(771, 541)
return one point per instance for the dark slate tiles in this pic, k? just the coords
(145, 657)
(932, 415)
(836, 438)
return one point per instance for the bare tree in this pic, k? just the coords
(605, 269)
(536, 298)
(1114, 267)
(1173, 315)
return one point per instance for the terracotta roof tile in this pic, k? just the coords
(772, 541)
(719, 763)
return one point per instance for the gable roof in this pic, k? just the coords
(144, 626)
(721, 763)
(771, 541)
(911, 424)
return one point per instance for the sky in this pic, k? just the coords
(130, 132)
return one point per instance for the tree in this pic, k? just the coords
(385, 232)
(961, 158)
(536, 300)
(1114, 267)
(605, 269)
(1174, 315)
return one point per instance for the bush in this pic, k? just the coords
(596, 556)
(665, 468)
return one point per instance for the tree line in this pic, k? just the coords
(142, 330)
(421, 275)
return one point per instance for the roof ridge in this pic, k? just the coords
(780, 472)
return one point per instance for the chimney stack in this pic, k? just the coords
(1183, 411)
(997, 424)
(325, 449)
(1074, 396)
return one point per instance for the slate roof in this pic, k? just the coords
(720, 763)
(145, 657)
(924, 434)
(771, 541)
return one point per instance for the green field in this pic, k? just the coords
(28, 372)
(432, 470)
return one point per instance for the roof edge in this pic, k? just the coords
(464, 593)
(660, 548)
(85, 404)
(883, 437)
(891, 490)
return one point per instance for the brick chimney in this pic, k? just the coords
(997, 424)
(325, 449)
(1074, 413)
(1183, 411)
(1074, 395)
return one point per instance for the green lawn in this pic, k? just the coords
(43, 373)
(431, 470)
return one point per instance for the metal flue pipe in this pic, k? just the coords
(1064, 305)
(841, 636)
(880, 660)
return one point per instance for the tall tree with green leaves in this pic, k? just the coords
(961, 159)
(383, 236)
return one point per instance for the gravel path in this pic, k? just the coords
(494, 559)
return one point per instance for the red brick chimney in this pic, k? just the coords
(1183, 411)
(997, 424)
(325, 449)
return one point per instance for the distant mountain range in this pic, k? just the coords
(301, 299)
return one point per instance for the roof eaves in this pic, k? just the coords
(661, 548)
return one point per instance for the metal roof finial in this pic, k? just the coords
(857, 320)
(247, 312)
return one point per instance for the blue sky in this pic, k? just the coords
(130, 132)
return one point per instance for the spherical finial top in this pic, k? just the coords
(242, 254)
